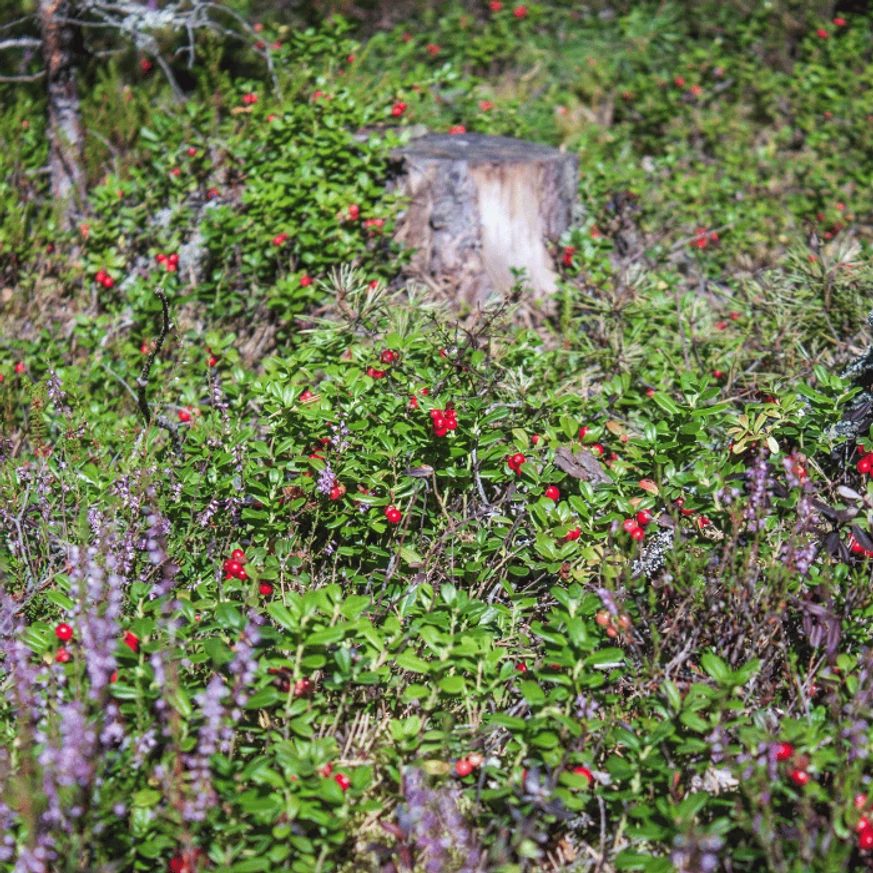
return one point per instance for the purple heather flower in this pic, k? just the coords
(326, 480)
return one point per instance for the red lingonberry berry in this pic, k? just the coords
(463, 767)
(131, 640)
(597, 449)
(475, 759)
(573, 534)
(637, 533)
(552, 493)
(238, 555)
(783, 751)
(865, 839)
(184, 416)
(799, 777)
(62, 656)
(64, 632)
(629, 524)
(865, 464)
(521, 667)
(343, 781)
(305, 281)
(265, 588)
(336, 493)
(583, 432)
(644, 517)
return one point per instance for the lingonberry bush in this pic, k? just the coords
(301, 568)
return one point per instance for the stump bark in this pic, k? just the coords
(482, 205)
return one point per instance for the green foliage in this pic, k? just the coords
(615, 607)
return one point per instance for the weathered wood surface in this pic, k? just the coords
(482, 205)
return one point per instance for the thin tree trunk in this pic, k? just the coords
(66, 136)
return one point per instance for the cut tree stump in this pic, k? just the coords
(481, 205)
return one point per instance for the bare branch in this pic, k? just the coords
(23, 20)
(20, 42)
(32, 78)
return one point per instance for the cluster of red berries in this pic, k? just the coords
(398, 108)
(515, 461)
(704, 238)
(249, 99)
(633, 526)
(573, 534)
(373, 373)
(857, 549)
(64, 633)
(465, 766)
(798, 775)
(393, 514)
(486, 105)
(375, 225)
(443, 420)
(613, 626)
(432, 49)
(567, 257)
(280, 239)
(104, 279)
(187, 862)
(233, 566)
(170, 262)
(864, 828)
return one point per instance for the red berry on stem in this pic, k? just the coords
(799, 777)
(637, 534)
(184, 416)
(629, 524)
(343, 781)
(552, 493)
(132, 641)
(64, 632)
(265, 589)
(865, 839)
(238, 555)
(784, 751)
(62, 656)
(463, 767)
(644, 517)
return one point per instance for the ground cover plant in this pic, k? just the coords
(304, 568)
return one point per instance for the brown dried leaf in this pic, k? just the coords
(581, 465)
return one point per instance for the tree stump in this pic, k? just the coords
(482, 205)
